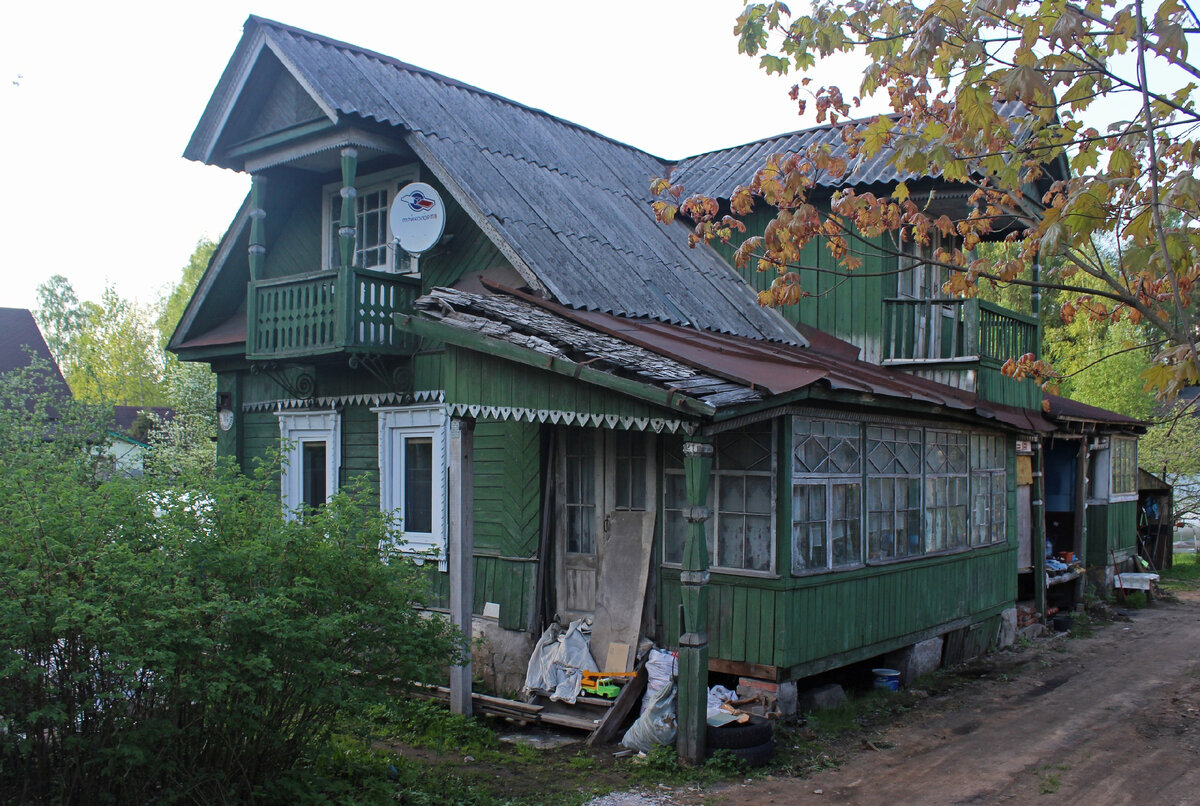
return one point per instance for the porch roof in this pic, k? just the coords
(721, 372)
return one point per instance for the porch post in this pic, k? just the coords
(348, 193)
(258, 234)
(1080, 542)
(462, 549)
(693, 592)
(1038, 537)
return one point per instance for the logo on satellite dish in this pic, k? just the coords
(418, 202)
(417, 218)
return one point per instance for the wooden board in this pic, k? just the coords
(624, 567)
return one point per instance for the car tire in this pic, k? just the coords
(733, 736)
(758, 756)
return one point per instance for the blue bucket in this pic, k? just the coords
(887, 679)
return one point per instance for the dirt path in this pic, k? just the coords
(1112, 719)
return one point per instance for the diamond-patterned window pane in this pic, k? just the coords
(826, 446)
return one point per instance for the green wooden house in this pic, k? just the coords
(574, 413)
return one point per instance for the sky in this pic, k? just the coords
(98, 101)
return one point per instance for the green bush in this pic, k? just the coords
(181, 642)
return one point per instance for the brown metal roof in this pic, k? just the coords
(231, 331)
(775, 369)
(1062, 408)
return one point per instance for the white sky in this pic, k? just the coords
(109, 93)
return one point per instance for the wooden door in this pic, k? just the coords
(598, 473)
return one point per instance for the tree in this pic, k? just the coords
(107, 351)
(1000, 97)
(1171, 449)
(178, 639)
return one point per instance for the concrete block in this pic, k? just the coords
(916, 659)
(1008, 628)
(788, 701)
(830, 695)
(499, 656)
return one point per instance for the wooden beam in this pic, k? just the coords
(462, 545)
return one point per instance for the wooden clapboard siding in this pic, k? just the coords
(849, 309)
(297, 248)
(1111, 531)
(508, 486)
(261, 436)
(473, 378)
(790, 623)
(993, 385)
(464, 248)
(360, 450)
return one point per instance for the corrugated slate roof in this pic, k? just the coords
(719, 173)
(573, 205)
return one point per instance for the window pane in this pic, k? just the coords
(418, 484)
(758, 542)
(313, 484)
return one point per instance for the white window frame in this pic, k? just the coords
(390, 180)
(396, 424)
(803, 477)
(1127, 495)
(296, 428)
(673, 510)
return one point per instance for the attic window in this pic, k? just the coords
(373, 248)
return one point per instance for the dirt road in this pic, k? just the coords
(1111, 719)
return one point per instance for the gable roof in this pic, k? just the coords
(568, 207)
(719, 173)
(20, 341)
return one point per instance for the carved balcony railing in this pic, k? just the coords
(931, 331)
(349, 310)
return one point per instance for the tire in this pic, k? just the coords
(733, 736)
(757, 756)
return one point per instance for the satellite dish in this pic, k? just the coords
(418, 218)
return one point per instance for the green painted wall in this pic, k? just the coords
(790, 623)
(473, 378)
(1111, 529)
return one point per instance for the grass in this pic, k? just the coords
(1184, 573)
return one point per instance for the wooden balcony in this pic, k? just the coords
(952, 331)
(347, 310)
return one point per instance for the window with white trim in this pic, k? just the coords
(893, 492)
(373, 247)
(311, 458)
(945, 490)
(989, 489)
(413, 466)
(826, 494)
(741, 498)
(1124, 469)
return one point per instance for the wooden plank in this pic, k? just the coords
(630, 695)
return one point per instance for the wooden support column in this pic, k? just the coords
(258, 229)
(462, 550)
(1079, 545)
(349, 207)
(1038, 536)
(693, 592)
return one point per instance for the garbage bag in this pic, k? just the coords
(661, 668)
(559, 658)
(657, 724)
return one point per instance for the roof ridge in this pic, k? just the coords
(454, 82)
(795, 133)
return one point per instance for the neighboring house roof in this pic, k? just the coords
(719, 371)
(124, 417)
(20, 341)
(569, 207)
(718, 173)
(1062, 408)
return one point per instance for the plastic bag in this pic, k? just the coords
(661, 668)
(558, 660)
(657, 724)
